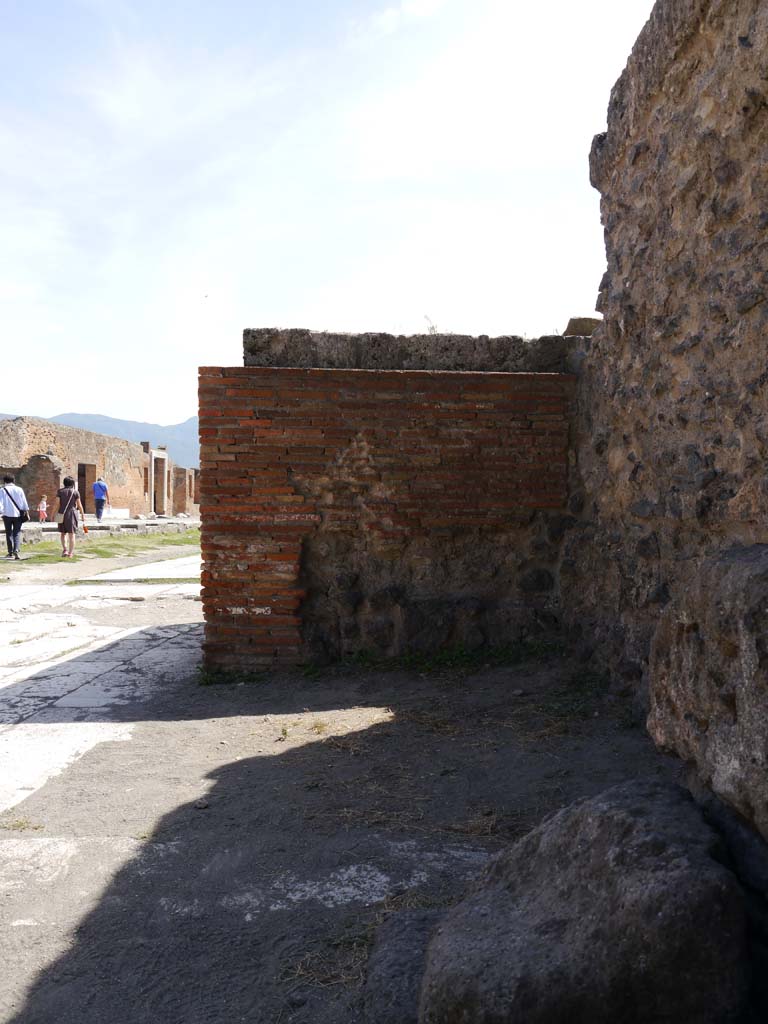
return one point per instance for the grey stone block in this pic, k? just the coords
(613, 911)
(395, 967)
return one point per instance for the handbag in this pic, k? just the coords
(24, 513)
(59, 517)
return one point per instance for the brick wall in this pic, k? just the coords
(41, 475)
(184, 484)
(345, 510)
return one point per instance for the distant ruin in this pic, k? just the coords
(652, 475)
(142, 479)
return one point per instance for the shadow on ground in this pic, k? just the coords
(231, 861)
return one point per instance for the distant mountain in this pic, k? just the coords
(181, 439)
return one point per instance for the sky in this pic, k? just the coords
(173, 173)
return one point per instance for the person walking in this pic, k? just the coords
(100, 497)
(69, 506)
(15, 511)
(42, 509)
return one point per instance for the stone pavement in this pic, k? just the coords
(72, 653)
(178, 568)
(33, 532)
(172, 853)
(158, 864)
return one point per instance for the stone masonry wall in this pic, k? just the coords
(673, 434)
(270, 346)
(349, 510)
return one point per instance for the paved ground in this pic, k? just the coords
(172, 853)
(71, 649)
(179, 568)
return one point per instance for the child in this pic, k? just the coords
(42, 509)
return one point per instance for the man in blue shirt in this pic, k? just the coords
(100, 497)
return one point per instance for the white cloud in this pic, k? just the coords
(388, 20)
(508, 93)
(476, 265)
(146, 95)
(440, 173)
(109, 10)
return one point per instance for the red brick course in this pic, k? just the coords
(398, 454)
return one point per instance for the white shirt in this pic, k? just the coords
(7, 508)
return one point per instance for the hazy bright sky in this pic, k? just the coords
(171, 173)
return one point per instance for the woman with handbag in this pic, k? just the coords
(15, 511)
(66, 517)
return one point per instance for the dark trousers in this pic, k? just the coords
(100, 503)
(12, 533)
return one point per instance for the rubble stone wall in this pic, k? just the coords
(673, 428)
(270, 346)
(349, 510)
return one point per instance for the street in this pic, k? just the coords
(178, 853)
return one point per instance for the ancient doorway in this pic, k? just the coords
(159, 484)
(86, 478)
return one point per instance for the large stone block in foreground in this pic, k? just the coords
(616, 910)
(709, 679)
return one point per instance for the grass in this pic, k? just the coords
(228, 677)
(458, 660)
(576, 700)
(541, 716)
(107, 583)
(434, 723)
(341, 961)
(483, 824)
(169, 579)
(341, 958)
(627, 717)
(344, 744)
(112, 546)
(20, 825)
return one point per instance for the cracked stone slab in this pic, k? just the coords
(167, 662)
(55, 645)
(121, 687)
(17, 708)
(59, 685)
